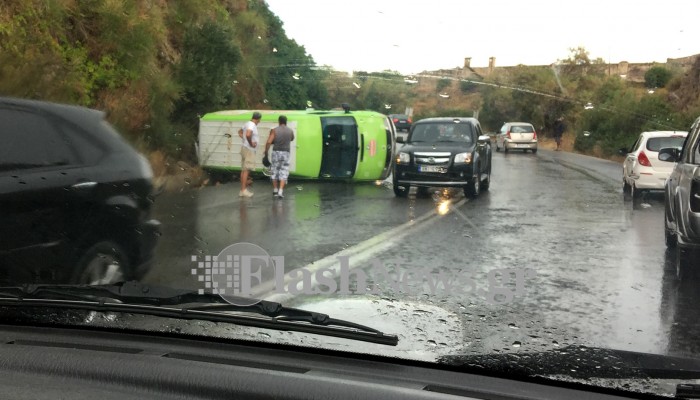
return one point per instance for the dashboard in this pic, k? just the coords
(58, 362)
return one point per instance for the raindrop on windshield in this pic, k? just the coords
(555, 343)
(357, 85)
(432, 343)
(265, 101)
(513, 326)
(296, 76)
(516, 344)
(264, 335)
(444, 95)
(309, 103)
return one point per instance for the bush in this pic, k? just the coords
(467, 87)
(442, 84)
(657, 77)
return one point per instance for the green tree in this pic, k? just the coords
(206, 72)
(657, 77)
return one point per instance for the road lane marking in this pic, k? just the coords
(358, 254)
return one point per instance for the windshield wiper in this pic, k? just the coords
(169, 302)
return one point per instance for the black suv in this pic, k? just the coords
(442, 152)
(75, 198)
(682, 195)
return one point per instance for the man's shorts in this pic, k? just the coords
(247, 159)
(280, 165)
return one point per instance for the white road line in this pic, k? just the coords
(357, 254)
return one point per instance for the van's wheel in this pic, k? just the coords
(102, 264)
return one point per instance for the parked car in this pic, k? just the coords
(642, 170)
(442, 152)
(517, 135)
(402, 122)
(75, 198)
(682, 205)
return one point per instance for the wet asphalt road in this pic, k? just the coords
(594, 270)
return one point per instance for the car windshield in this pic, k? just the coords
(658, 143)
(441, 132)
(247, 150)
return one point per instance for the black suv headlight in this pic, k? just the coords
(463, 158)
(403, 158)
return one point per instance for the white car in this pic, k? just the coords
(517, 136)
(642, 169)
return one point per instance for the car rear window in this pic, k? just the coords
(522, 129)
(656, 144)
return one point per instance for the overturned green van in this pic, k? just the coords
(336, 144)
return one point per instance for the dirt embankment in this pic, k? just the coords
(172, 175)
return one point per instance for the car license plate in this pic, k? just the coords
(523, 145)
(431, 168)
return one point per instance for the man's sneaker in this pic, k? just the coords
(274, 193)
(280, 195)
(245, 193)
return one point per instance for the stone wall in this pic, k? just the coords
(633, 72)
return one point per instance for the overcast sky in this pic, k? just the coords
(411, 36)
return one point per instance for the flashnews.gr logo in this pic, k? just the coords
(244, 271)
(231, 273)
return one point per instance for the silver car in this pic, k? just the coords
(518, 136)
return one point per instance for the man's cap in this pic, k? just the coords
(257, 115)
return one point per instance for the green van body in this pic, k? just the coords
(354, 145)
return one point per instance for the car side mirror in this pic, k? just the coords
(484, 138)
(623, 151)
(669, 154)
(399, 139)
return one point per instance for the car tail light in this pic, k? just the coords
(508, 134)
(396, 120)
(534, 135)
(409, 121)
(643, 159)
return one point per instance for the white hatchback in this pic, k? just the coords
(517, 136)
(642, 170)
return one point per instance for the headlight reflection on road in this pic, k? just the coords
(443, 207)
